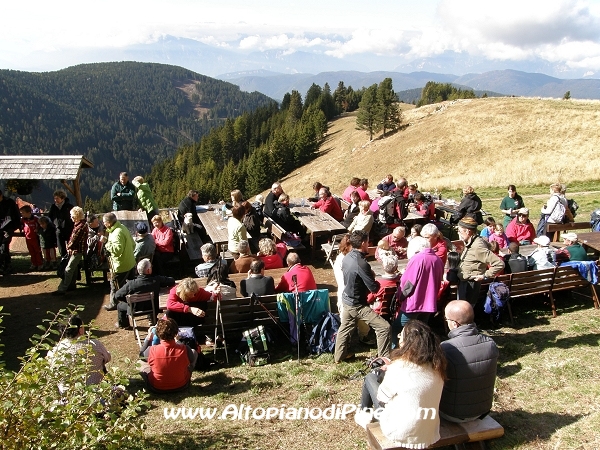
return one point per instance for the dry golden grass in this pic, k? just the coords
(481, 142)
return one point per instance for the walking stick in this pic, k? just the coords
(219, 316)
(297, 298)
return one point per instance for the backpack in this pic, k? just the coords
(258, 209)
(254, 346)
(392, 209)
(595, 220)
(498, 295)
(322, 338)
(558, 212)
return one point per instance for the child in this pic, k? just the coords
(415, 231)
(490, 224)
(499, 236)
(383, 248)
(29, 225)
(47, 234)
(453, 262)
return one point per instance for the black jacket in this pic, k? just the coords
(8, 209)
(258, 285)
(188, 205)
(271, 205)
(359, 279)
(61, 218)
(471, 370)
(469, 205)
(144, 283)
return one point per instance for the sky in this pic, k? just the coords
(563, 32)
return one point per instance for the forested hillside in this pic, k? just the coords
(121, 116)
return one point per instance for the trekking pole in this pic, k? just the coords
(255, 301)
(219, 316)
(297, 298)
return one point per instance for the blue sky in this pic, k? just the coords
(564, 32)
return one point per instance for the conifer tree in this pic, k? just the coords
(388, 103)
(369, 115)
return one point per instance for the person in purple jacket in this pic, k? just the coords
(418, 289)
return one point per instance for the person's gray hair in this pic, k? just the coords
(292, 259)
(243, 247)
(143, 266)
(111, 218)
(209, 250)
(429, 229)
(389, 263)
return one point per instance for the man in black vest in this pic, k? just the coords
(472, 360)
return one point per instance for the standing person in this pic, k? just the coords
(119, 245)
(9, 222)
(77, 248)
(145, 197)
(59, 214)
(472, 359)
(511, 204)
(122, 194)
(271, 202)
(29, 225)
(477, 261)
(165, 249)
(556, 209)
(418, 290)
(95, 259)
(359, 280)
(188, 205)
(436, 240)
(47, 234)
(412, 386)
(470, 206)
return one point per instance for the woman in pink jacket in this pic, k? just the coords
(520, 229)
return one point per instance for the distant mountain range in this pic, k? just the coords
(497, 82)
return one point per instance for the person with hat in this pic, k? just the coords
(144, 243)
(572, 251)
(477, 262)
(520, 229)
(544, 256)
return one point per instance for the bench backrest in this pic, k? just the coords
(558, 227)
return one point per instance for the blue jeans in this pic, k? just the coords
(368, 398)
(402, 319)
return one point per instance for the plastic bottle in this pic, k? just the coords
(223, 212)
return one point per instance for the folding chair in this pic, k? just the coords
(331, 248)
(135, 302)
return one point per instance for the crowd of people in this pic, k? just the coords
(455, 378)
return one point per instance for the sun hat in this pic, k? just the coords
(468, 223)
(543, 240)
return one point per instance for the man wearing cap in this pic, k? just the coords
(144, 243)
(573, 250)
(476, 261)
(520, 229)
(544, 256)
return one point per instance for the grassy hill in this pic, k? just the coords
(121, 116)
(486, 142)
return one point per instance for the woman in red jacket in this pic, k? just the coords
(520, 229)
(186, 303)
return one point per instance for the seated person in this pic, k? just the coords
(362, 189)
(145, 282)
(390, 278)
(520, 229)
(499, 236)
(415, 231)
(436, 240)
(413, 190)
(170, 365)
(251, 219)
(316, 187)
(451, 275)
(515, 262)
(544, 256)
(144, 243)
(396, 243)
(165, 250)
(489, 225)
(214, 266)
(285, 218)
(305, 280)
(74, 344)
(364, 220)
(572, 251)
(352, 210)
(472, 359)
(186, 302)
(271, 201)
(354, 182)
(242, 264)
(412, 382)
(256, 282)
(328, 204)
(423, 208)
(387, 184)
(236, 231)
(267, 252)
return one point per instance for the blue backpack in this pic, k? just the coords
(322, 338)
(498, 295)
(595, 220)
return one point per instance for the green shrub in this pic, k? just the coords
(33, 413)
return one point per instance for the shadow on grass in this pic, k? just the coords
(522, 427)
(211, 438)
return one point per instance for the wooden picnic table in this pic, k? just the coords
(215, 226)
(317, 222)
(591, 240)
(130, 218)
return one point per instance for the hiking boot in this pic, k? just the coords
(346, 358)
(122, 327)
(110, 307)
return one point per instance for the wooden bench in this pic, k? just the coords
(278, 233)
(558, 227)
(450, 434)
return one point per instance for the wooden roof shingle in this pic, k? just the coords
(46, 167)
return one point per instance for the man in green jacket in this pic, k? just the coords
(122, 194)
(120, 246)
